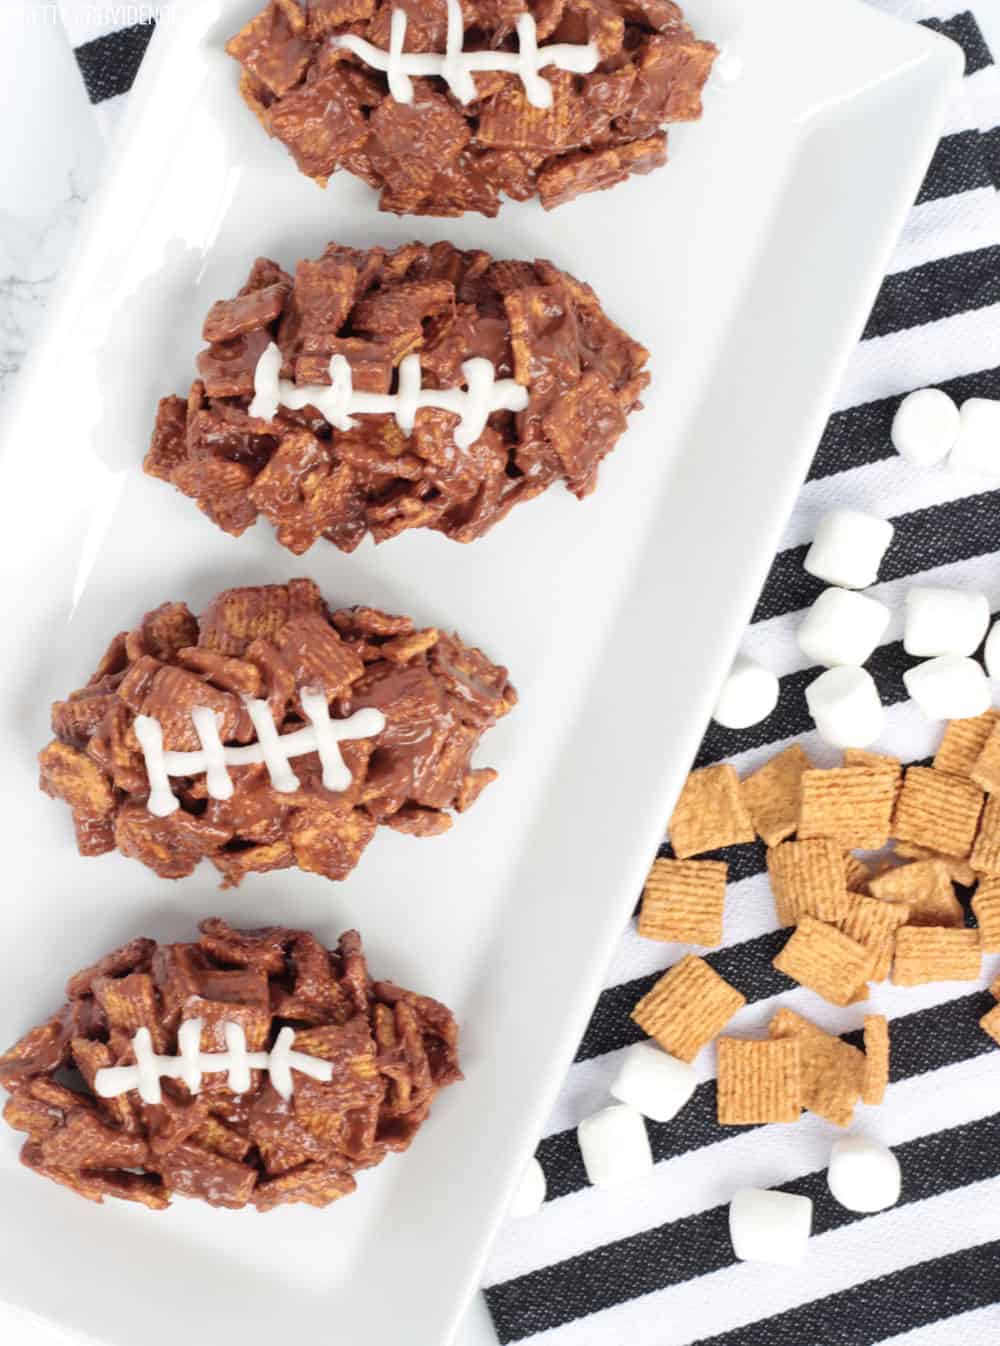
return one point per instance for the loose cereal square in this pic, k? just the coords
(851, 805)
(924, 888)
(985, 771)
(874, 923)
(929, 953)
(959, 871)
(962, 743)
(687, 1007)
(986, 907)
(826, 960)
(808, 878)
(832, 1070)
(879, 760)
(876, 1071)
(990, 1023)
(773, 794)
(683, 900)
(710, 813)
(985, 857)
(759, 1081)
(938, 810)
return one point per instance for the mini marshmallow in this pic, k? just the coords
(978, 447)
(944, 621)
(949, 688)
(748, 694)
(863, 1175)
(654, 1082)
(614, 1145)
(770, 1226)
(842, 627)
(845, 707)
(848, 548)
(926, 427)
(992, 652)
(530, 1195)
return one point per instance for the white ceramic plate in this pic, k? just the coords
(748, 267)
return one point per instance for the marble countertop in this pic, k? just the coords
(48, 170)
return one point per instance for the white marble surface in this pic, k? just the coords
(47, 171)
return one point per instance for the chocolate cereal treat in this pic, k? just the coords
(365, 86)
(269, 733)
(252, 1068)
(380, 391)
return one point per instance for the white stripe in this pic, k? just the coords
(891, 487)
(945, 227)
(836, 1261)
(701, 1179)
(920, 356)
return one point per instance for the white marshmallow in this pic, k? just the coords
(530, 1195)
(842, 627)
(978, 447)
(848, 548)
(614, 1145)
(944, 621)
(863, 1175)
(992, 652)
(770, 1226)
(652, 1081)
(748, 694)
(845, 707)
(949, 688)
(925, 427)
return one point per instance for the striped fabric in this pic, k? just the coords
(650, 1264)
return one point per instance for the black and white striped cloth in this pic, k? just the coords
(650, 1264)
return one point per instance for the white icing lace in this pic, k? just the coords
(335, 401)
(192, 1063)
(323, 735)
(456, 67)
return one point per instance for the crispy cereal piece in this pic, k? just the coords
(963, 741)
(832, 1070)
(986, 906)
(570, 175)
(929, 953)
(826, 960)
(315, 1184)
(852, 805)
(874, 923)
(773, 794)
(710, 813)
(925, 888)
(938, 810)
(759, 1081)
(990, 1023)
(876, 1070)
(856, 872)
(879, 760)
(808, 878)
(959, 871)
(687, 1007)
(985, 771)
(683, 900)
(985, 857)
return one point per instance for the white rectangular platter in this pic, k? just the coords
(748, 267)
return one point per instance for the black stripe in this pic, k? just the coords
(958, 165)
(859, 435)
(110, 64)
(938, 289)
(924, 539)
(884, 1308)
(923, 1041)
(964, 30)
(991, 153)
(699, 1244)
